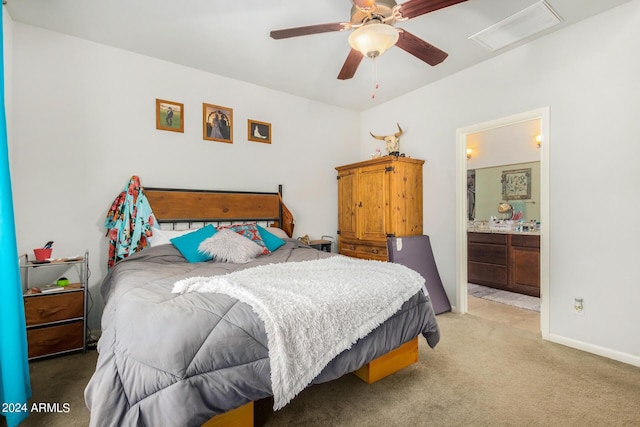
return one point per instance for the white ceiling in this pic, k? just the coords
(231, 38)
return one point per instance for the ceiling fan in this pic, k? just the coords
(374, 31)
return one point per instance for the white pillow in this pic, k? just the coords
(279, 232)
(163, 237)
(229, 246)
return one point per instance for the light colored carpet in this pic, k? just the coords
(483, 373)
(506, 314)
(504, 297)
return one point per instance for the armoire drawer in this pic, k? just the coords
(364, 250)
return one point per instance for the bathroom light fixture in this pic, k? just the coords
(538, 139)
(469, 151)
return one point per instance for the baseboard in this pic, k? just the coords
(590, 348)
(595, 349)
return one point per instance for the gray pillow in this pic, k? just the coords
(229, 246)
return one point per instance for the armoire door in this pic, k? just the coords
(348, 204)
(373, 208)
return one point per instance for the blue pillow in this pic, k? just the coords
(188, 243)
(271, 241)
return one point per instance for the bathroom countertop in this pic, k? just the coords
(484, 229)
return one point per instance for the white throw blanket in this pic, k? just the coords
(313, 310)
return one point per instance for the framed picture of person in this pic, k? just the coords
(217, 123)
(259, 131)
(169, 115)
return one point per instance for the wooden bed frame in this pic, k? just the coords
(178, 206)
(171, 205)
(383, 366)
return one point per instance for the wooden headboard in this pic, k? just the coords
(171, 205)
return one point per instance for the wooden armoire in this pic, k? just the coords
(377, 199)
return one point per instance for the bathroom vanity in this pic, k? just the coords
(505, 260)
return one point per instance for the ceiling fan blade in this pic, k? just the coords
(350, 65)
(413, 8)
(311, 29)
(420, 48)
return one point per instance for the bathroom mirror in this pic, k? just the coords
(485, 193)
(503, 166)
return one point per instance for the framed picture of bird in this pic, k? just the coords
(169, 115)
(217, 123)
(259, 131)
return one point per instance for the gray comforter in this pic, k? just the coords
(177, 360)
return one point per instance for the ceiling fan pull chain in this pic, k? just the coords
(374, 77)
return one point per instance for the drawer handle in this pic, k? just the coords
(49, 312)
(353, 248)
(374, 250)
(52, 341)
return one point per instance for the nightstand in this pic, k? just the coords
(321, 245)
(56, 319)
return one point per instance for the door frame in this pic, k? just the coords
(541, 114)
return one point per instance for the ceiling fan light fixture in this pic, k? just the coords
(373, 39)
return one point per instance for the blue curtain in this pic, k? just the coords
(15, 386)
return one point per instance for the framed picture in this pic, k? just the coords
(217, 123)
(516, 184)
(169, 115)
(259, 131)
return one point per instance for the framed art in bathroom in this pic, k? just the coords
(516, 184)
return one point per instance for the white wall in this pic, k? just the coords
(84, 123)
(505, 145)
(588, 75)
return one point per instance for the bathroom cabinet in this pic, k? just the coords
(505, 261)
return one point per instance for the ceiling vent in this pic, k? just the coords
(527, 22)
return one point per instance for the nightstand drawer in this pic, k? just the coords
(55, 339)
(45, 308)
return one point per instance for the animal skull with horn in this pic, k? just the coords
(392, 142)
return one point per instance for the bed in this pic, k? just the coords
(170, 357)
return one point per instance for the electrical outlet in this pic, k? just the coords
(578, 306)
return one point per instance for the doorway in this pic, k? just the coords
(462, 134)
